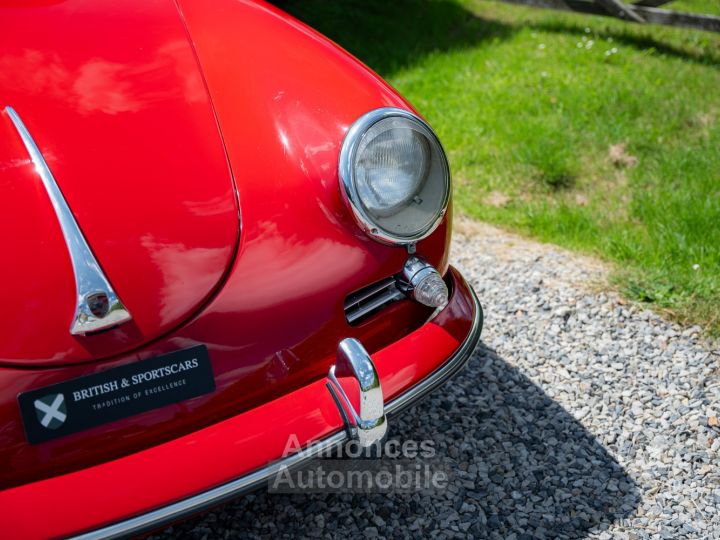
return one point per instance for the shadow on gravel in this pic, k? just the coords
(519, 463)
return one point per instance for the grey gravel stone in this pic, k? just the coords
(578, 416)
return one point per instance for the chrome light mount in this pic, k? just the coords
(97, 306)
(369, 425)
(422, 282)
(348, 187)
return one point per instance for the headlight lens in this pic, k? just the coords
(395, 176)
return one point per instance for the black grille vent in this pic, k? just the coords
(363, 303)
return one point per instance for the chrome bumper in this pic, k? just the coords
(217, 495)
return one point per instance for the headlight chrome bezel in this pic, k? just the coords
(348, 185)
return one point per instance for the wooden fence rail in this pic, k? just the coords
(641, 12)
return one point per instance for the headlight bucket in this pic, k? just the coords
(394, 176)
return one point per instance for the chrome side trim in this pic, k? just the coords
(448, 370)
(97, 306)
(368, 292)
(212, 497)
(361, 303)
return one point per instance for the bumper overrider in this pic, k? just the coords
(165, 483)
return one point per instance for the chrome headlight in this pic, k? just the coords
(394, 176)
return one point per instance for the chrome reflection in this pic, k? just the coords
(369, 425)
(97, 305)
(423, 283)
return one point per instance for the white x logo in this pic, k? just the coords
(52, 412)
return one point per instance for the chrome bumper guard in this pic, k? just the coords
(367, 426)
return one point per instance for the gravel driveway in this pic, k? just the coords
(578, 416)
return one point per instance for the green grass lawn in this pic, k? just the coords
(592, 133)
(711, 7)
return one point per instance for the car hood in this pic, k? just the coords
(113, 97)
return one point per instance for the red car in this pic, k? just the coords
(222, 232)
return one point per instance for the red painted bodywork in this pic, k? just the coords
(112, 94)
(226, 450)
(139, 108)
